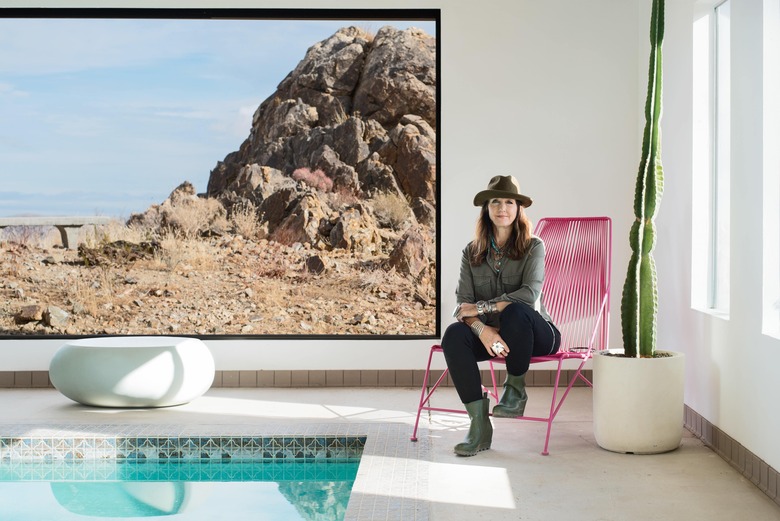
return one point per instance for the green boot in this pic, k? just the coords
(512, 403)
(480, 433)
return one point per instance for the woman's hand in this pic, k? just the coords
(466, 311)
(493, 342)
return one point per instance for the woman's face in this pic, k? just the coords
(502, 212)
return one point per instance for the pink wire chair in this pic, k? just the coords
(578, 266)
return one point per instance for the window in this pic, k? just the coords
(711, 160)
(771, 208)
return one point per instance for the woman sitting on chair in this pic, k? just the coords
(500, 311)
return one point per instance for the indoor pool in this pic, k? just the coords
(205, 479)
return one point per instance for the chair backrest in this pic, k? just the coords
(578, 267)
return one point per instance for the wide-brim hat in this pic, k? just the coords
(502, 187)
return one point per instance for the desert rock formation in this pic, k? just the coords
(322, 222)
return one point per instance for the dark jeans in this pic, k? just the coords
(522, 328)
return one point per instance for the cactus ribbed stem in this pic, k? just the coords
(639, 306)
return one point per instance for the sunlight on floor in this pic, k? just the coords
(450, 483)
(470, 485)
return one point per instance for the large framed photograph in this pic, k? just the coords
(219, 173)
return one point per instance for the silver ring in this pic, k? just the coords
(456, 311)
(497, 347)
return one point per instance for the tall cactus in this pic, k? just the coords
(639, 307)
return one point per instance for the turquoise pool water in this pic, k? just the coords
(279, 479)
(207, 491)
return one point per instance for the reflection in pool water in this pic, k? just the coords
(256, 490)
(127, 498)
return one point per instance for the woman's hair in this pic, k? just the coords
(519, 240)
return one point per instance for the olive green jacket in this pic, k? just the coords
(517, 281)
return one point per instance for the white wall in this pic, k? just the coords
(546, 91)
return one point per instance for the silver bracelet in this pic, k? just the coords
(487, 308)
(477, 327)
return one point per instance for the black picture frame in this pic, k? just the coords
(346, 15)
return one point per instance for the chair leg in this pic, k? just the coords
(494, 391)
(553, 410)
(555, 404)
(425, 394)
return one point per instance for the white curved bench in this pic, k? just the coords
(142, 371)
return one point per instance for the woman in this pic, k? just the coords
(500, 312)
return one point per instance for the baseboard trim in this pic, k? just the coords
(317, 378)
(753, 468)
(366, 378)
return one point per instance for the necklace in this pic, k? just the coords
(498, 254)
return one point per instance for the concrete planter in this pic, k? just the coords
(638, 403)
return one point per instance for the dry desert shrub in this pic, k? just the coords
(391, 209)
(376, 279)
(367, 32)
(98, 235)
(244, 220)
(94, 291)
(12, 263)
(190, 219)
(316, 179)
(86, 296)
(137, 233)
(270, 296)
(38, 236)
(116, 230)
(176, 252)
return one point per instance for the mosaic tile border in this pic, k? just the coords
(392, 477)
(169, 470)
(184, 448)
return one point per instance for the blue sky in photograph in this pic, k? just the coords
(108, 116)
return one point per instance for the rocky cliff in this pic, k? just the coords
(343, 154)
(361, 109)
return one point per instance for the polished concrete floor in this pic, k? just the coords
(402, 480)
